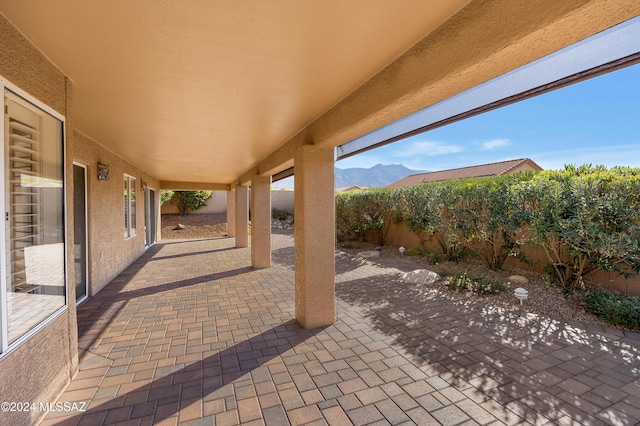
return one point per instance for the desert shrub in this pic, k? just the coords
(415, 206)
(429, 210)
(278, 214)
(165, 196)
(586, 219)
(187, 201)
(416, 251)
(363, 211)
(616, 310)
(493, 217)
(462, 283)
(447, 233)
(348, 227)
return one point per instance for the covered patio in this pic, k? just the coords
(108, 103)
(191, 334)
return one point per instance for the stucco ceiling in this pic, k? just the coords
(201, 91)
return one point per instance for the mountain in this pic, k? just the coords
(377, 176)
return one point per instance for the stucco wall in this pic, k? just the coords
(109, 252)
(38, 370)
(282, 200)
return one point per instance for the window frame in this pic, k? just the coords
(5, 347)
(129, 231)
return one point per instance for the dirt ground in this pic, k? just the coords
(196, 226)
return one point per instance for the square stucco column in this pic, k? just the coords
(231, 213)
(314, 232)
(242, 216)
(261, 221)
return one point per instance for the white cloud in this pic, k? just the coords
(494, 143)
(427, 148)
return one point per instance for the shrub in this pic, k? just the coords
(278, 214)
(586, 219)
(187, 201)
(363, 211)
(616, 310)
(462, 283)
(165, 196)
(416, 251)
(429, 210)
(493, 217)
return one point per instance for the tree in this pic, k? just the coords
(165, 196)
(186, 201)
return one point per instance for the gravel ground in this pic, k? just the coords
(544, 298)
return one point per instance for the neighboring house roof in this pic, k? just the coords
(492, 169)
(348, 188)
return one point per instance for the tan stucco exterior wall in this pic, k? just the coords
(38, 369)
(109, 252)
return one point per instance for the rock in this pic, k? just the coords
(421, 276)
(366, 254)
(518, 279)
(179, 227)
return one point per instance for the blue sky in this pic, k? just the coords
(596, 121)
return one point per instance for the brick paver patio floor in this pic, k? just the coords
(189, 334)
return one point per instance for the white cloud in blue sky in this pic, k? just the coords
(494, 144)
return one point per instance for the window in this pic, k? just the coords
(33, 278)
(129, 206)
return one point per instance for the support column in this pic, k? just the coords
(231, 213)
(314, 231)
(242, 216)
(261, 221)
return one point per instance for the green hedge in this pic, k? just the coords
(616, 310)
(364, 212)
(584, 218)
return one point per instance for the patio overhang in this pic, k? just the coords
(219, 92)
